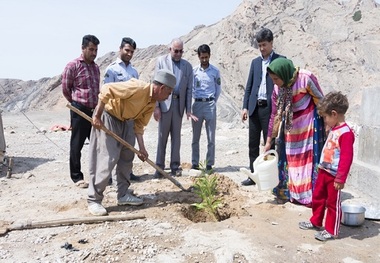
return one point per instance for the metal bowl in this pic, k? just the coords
(353, 215)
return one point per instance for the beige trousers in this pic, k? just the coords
(105, 153)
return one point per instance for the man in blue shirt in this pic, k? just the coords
(122, 70)
(206, 91)
(257, 103)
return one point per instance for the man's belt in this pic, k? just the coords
(262, 103)
(204, 99)
(81, 107)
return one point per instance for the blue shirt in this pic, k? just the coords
(206, 82)
(262, 94)
(117, 71)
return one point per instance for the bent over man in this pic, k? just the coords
(118, 103)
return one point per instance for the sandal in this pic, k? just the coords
(81, 184)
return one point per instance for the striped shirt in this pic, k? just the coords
(80, 82)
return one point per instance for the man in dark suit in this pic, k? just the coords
(257, 102)
(169, 113)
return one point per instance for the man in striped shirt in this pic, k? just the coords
(80, 86)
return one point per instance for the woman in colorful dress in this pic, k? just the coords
(298, 128)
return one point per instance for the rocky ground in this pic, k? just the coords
(255, 227)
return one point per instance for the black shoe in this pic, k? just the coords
(177, 172)
(157, 175)
(209, 169)
(195, 167)
(133, 177)
(248, 181)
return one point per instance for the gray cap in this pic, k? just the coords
(166, 78)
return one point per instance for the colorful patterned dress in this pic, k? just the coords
(300, 147)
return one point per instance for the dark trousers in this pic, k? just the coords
(80, 130)
(258, 122)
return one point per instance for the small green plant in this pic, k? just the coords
(205, 187)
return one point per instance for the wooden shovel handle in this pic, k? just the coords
(73, 221)
(126, 144)
(67, 222)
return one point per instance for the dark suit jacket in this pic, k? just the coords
(253, 85)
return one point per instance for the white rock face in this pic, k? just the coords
(339, 41)
(321, 36)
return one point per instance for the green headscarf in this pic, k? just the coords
(284, 69)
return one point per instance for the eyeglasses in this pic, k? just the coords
(178, 51)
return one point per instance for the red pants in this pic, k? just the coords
(325, 196)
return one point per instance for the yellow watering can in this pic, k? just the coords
(265, 169)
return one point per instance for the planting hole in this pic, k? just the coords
(229, 202)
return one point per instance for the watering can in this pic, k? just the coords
(265, 168)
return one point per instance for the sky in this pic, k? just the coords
(38, 38)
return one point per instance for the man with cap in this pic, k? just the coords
(119, 102)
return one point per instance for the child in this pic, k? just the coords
(336, 159)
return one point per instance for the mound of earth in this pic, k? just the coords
(254, 227)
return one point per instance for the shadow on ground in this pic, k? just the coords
(228, 169)
(159, 199)
(24, 164)
(369, 229)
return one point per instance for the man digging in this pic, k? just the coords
(118, 102)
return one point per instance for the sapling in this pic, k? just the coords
(205, 187)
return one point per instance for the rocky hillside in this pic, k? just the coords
(338, 40)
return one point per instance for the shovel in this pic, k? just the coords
(130, 147)
(67, 222)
